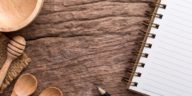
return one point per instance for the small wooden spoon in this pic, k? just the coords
(51, 91)
(15, 49)
(25, 85)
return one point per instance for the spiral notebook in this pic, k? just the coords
(164, 63)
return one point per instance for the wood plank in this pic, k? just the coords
(76, 43)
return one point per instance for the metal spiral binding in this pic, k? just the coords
(150, 35)
(141, 65)
(147, 23)
(148, 13)
(134, 84)
(152, 25)
(147, 45)
(163, 6)
(145, 55)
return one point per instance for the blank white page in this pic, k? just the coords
(168, 69)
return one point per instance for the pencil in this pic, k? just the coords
(103, 92)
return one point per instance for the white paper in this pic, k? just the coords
(168, 69)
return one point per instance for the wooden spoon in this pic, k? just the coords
(51, 91)
(25, 85)
(15, 49)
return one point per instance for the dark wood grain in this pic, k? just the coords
(75, 44)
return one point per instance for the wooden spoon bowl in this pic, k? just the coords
(51, 91)
(25, 85)
(16, 14)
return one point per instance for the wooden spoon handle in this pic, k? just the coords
(4, 70)
(13, 93)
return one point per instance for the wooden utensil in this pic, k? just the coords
(25, 85)
(15, 49)
(16, 14)
(51, 91)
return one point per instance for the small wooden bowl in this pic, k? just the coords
(17, 14)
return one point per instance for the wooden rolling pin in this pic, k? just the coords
(15, 49)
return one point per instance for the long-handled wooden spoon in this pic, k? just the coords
(25, 85)
(51, 91)
(15, 49)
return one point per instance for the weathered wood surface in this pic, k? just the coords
(76, 43)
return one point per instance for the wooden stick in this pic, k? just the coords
(13, 93)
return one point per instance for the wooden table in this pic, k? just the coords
(75, 44)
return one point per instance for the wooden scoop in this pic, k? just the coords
(15, 49)
(25, 85)
(51, 91)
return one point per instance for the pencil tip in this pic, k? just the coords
(102, 91)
